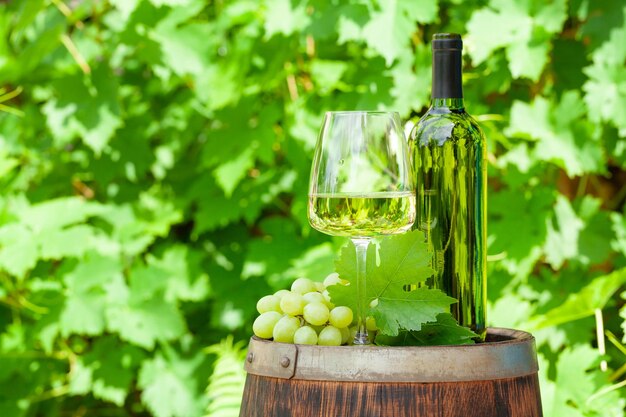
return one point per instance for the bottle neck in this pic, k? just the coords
(447, 89)
(447, 103)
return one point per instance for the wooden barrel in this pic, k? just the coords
(497, 378)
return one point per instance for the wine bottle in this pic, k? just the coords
(448, 151)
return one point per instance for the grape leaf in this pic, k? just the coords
(143, 323)
(524, 30)
(107, 370)
(373, 83)
(128, 155)
(83, 314)
(230, 173)
(216, 211)
(27, 14)
(127, 231)
(285, 17)
(605, 91)
(169, 386)
(618, 225)
(527, 59)
(526, 212)
(352, 18)
(562, 243)
(554, 397)
(593, 245)
(43, 42)
(327, 74)
(20, 377)
(519, 157)
(58, 213)
(563, 137)
(41, 233)
(390, 26)
(186, 49)
(186, 279)
(70, 242)
(404, 260)
(569, 57)
(272, 253)
(593, 296)
(140, 314)
(251, 136)
(48, 294)
(80, 380)
(85, 108)
(426, 12)
(314, 262)
(511, 310)
(400, 309)
(445, 331)
(235, 297)
(126, 7)
(220, 85)
(530, 119)
(87, 295)
(18, 249)
(412, 78)
(600, 19)
(510, 22)
(576, 381)
(114, 367)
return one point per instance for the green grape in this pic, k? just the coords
(303, 286)
(285, 328)
(353, 331)
(281, 293)
(332, 279)
(330, 336)
(263, 326)
(313, 297)
(268, 303)
(370, 324)
(341, 316)
(317, 329)
(316, 313)
(345, 335)
(292, 304)
(305, 335)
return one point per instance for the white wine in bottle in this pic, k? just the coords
(448, 151)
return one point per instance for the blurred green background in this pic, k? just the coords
(154, 162)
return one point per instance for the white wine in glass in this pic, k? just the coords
(361, 186)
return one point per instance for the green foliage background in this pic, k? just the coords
(154, 160)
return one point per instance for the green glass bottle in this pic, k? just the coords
(449, 151)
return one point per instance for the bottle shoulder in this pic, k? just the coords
(442, 127)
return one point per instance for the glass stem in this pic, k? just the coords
(361, 244)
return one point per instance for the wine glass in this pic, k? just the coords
(361, 186)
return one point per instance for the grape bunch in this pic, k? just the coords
(305, 315)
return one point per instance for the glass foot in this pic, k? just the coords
(361, 339)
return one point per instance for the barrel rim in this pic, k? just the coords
(512, 357)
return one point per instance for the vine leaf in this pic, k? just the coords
(404, 261)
